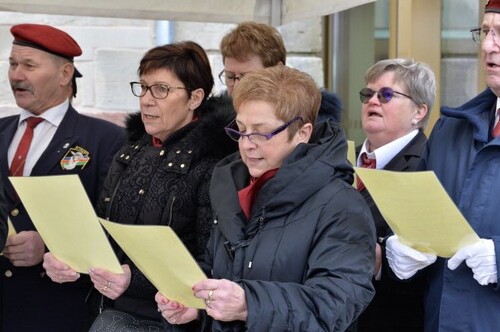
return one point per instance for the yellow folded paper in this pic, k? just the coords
(12, 229)
(351, 156)
(418, 210)
(162, 257)
(65, 219)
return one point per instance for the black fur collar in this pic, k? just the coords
(209, 133)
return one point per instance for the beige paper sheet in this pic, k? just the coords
(351, 156)
(12, 229)
(162, 257)
(418, 210)
(63, 215)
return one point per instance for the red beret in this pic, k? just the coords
(492, 6)
(46, 38)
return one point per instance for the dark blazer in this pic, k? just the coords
(3, 217)
(30, 300)
(397, 305)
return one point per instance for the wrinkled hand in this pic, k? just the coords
(174, 312)
(225, 300)
(110, 284)
(481, 258)
(24, 249)
(405, 261)
(57, 270)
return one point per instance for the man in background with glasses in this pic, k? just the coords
(464, 152)
(48, 137)
(252, 46)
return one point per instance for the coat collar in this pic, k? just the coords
(476, 112)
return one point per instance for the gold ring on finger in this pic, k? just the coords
(210, 295)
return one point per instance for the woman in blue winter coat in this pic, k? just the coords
(292, 247)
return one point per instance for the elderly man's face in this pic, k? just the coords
(491, 50)
(37, 78)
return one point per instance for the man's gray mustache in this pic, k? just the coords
(21, 85)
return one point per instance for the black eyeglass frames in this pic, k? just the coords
(158, 91)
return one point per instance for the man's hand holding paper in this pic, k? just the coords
(481, 258)
(426, 223)
(419, 211)
(405, 261)
(24, 249)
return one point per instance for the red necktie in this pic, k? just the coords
(366, 163)
(17, 165)
(496, 130)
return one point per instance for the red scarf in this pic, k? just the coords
(247, 195)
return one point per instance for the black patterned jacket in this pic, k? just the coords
(166, 186)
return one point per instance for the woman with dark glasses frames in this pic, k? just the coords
(293, 243)
(396, 104)
(162, 175)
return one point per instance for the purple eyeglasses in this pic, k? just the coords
(256, 137)
(384, 95)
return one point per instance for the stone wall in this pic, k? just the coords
(112, 49)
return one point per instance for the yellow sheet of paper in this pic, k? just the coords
(351, 152)
(162, 257)
(65, 219)
(12, 230)
(351, 156)
(418, 210)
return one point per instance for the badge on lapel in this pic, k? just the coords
(75, 157)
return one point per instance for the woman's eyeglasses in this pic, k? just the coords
(256, 137)
(158, 91)
(384, 95)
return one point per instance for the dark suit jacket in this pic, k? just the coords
(30, 300)
(397, 305)
(3, 217)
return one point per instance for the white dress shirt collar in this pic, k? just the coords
(386, 153)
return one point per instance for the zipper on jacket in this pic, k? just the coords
(171, 212)
(167, 216)
(111, 198)
(256, 238)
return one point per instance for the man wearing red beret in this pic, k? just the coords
(48, 137)
(464, 152)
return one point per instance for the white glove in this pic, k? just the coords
(480, 257)
(405, 261)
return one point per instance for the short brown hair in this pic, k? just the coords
(187, 60)
(252, 38)
(292, 92)
(416, 77)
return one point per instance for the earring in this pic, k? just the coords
(414, 122)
